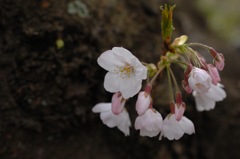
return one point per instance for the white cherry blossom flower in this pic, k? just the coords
(150, 123)
(174, 129)
(125, 72)
(199, 80)
(121, 121)
(207, 101)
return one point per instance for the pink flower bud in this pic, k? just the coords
(143, 102)
(219, 61)
(213, 72)
(118, 103)
(179, 110)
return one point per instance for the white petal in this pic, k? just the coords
(144, 132)
(124, 122)
(123, 54)
(111, 82)
(130, 87)
(203, 102)
(101, 107)
(140, 122)
(171, 128)
(216, 93)
(186, 125)
(140, 71)
(109, 119)
(109, 61)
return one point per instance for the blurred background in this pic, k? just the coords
(50, 79)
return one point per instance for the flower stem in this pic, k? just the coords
(170, 85)
(198, 60)
(179, 62)
(174, 81)
(199, 45)
(155, 76)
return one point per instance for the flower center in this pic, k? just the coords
(125, 71)
(199, 85)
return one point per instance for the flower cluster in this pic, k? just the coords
(124, 80)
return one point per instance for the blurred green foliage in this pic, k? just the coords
(223, 17)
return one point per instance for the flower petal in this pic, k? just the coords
(101, 107)
(109, 119)
(186, 125)
(111, 82)
(123, 54)
(216, 93)
(203, 102)
(130, 87)
(109, 61)
(125, 123)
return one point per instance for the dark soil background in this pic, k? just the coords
(46, 93)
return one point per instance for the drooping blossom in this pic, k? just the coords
(125, 72)
(207, 101)
(150, 123)
(199, 80)
(118, 103)
(121, 121)
(143, 102)
(174, 129)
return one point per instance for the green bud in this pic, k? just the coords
(152, 69)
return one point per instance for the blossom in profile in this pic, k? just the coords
(199, 80)
(174, 129)
(150, 123)
(125, 72)
(207, 101)
(121, 121)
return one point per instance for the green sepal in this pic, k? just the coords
(167, 22)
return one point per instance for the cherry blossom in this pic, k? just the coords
(207, 101)
(121, 121)
(125, 71)
(174, 129)
(199, 80)
(150, 123)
